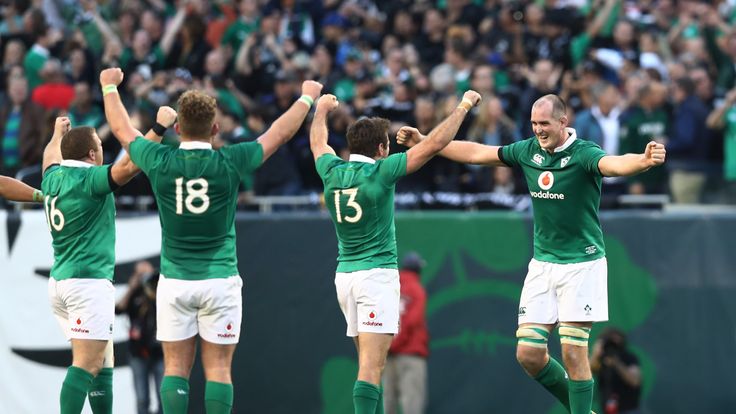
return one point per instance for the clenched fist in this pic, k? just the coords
(166, 116)
(112, 76)
(312, 89)
(472, 96)
(327, 103)
(409, 136)
(62, 125)
(654, 154)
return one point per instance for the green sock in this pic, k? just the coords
(218, 398)
(74, 390)
(379, 405)
(581, 396)
(174, 395)
(554, 379)
(365, 397)
(100, 393)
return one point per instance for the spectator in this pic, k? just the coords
(617, 373)
(54, 92)
(22, 133)
(146, 355)
(405, 376)
(724, 117)
(644, 122)
(688, 143)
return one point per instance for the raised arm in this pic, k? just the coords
(630, 164)
(441, 135)
(287, 124)
(124, 170)
(116, 114)
(52, 153)
(14, 190)
(318, 133)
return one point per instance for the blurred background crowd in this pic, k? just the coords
(630, 71)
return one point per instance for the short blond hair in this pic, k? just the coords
(196, 114)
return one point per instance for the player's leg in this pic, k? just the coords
(376, 294)
(574, 339)
(176, 328)
(85, 310)
(537, 317)
(219, 323)
(178, 361)
(372, 351)
(100, 392)
(582, 300)
(217, 361)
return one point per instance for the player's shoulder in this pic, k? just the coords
(584, 145)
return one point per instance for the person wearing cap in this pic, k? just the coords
(405, 376)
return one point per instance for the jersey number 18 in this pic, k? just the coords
(196, 189)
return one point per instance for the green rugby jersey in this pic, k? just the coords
(359, 195)
(566, 191)
(196, 190)
(80, 213)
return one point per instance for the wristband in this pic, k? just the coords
(307, 100)
(37, 196)
(109, 89)
(159, 129)
(466, 105)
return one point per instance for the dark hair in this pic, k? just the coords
(366, 134)
(686, 84)
(77, 142)
(196, 114)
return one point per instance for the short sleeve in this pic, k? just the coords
(325, 163)
(145, 154)
(590, 156)
(510, 154)
(98, 180)
(247, 156)
(393, 167)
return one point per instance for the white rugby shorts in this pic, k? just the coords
(369, 300)
(573, 292)
(212, 308)
(84, 308)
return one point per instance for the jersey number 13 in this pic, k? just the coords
(351, 193)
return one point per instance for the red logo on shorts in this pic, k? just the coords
(79, 321)
(229, 326)
(372, 315)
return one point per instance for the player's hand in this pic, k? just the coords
(472, 96)
(312, 89)
(654, 154)
(62, 125)
(409, 136)
(166, 116)
(111, 76)
(327, 103)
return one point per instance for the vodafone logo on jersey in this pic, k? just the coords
(546, 180)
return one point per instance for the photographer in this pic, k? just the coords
(146, 356)
(617, 373)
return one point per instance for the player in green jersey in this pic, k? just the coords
(80, 211)
(567, 279)
(14, 190)
(196, 188)
(359, 194)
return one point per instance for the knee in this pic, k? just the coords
(531, 359)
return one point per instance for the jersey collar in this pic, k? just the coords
(572, 135)
(361, 158)
(192, 145)
(76, 164)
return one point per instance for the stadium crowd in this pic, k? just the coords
(630, 71)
